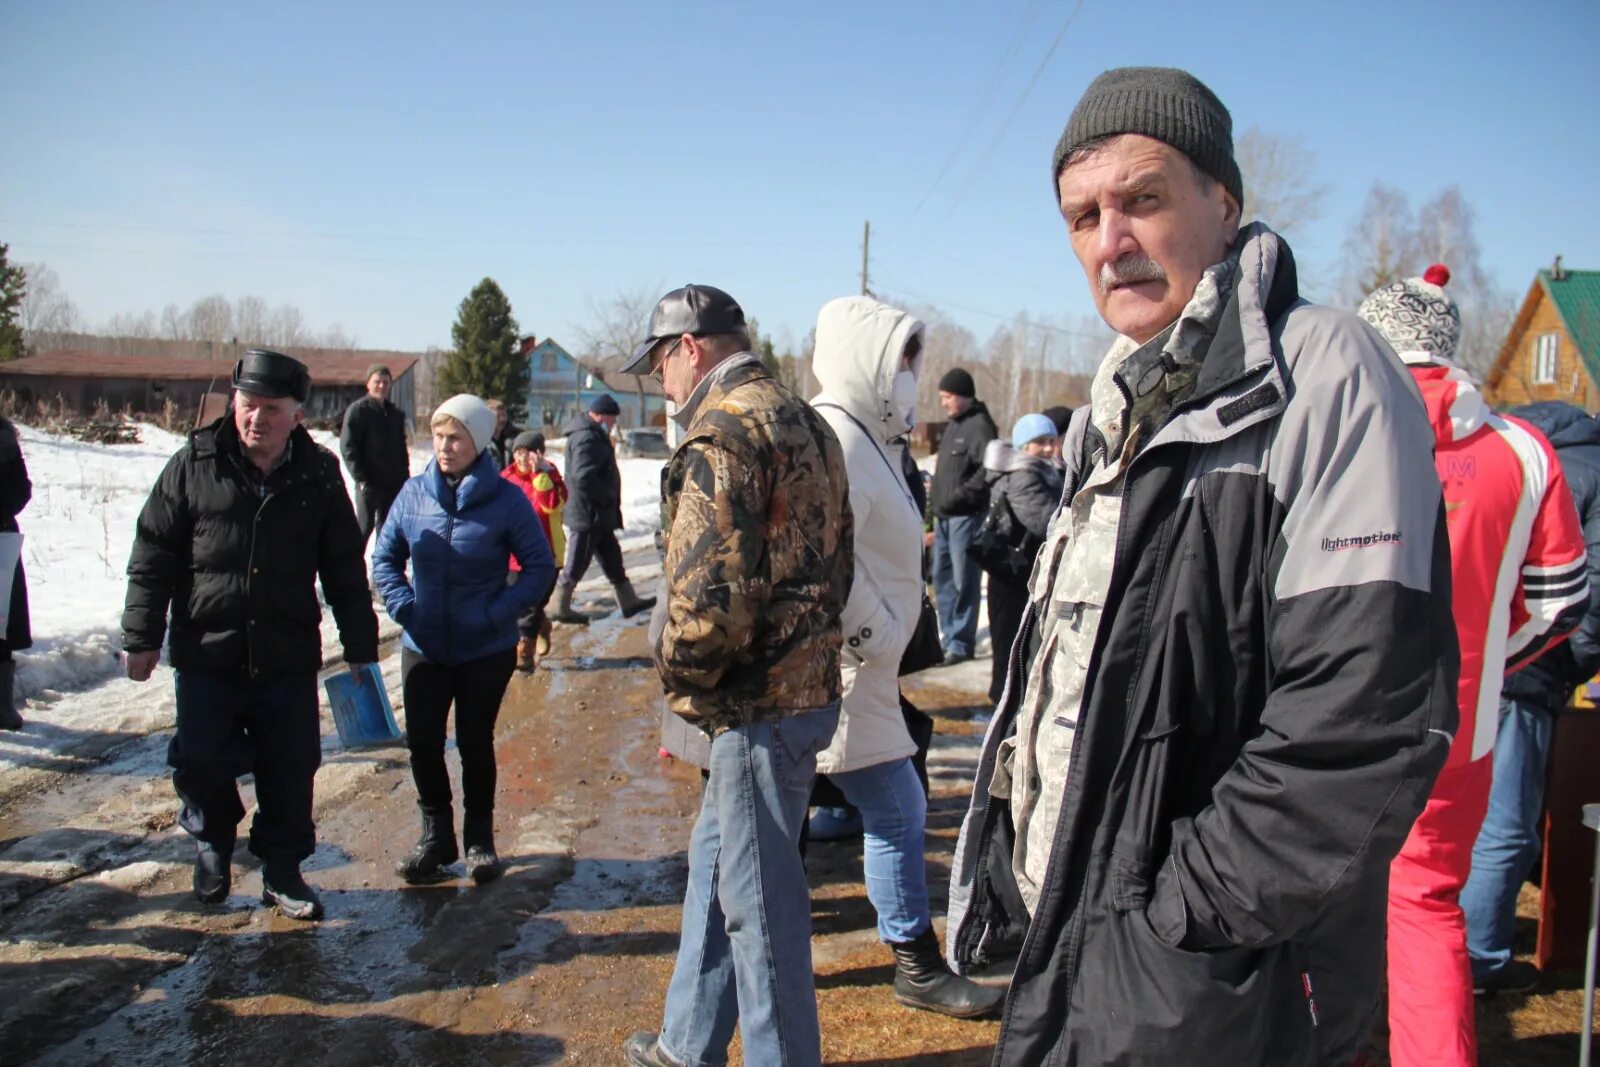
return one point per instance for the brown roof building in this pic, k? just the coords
(82, 379)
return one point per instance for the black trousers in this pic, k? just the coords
(372, 508)
(229, 725)
(584, 545)
(1008, 602)
(476, 689)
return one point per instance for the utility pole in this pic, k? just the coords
(866, 245)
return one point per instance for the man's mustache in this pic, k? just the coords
(1131, 268)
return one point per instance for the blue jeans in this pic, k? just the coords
(957, 581)
(1509, 841)
(894, 811)
(745, 955)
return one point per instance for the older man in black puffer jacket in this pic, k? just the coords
(242, 522)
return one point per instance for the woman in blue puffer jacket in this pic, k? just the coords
(457, 522)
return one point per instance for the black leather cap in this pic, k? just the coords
(272, 374)
(701, 310)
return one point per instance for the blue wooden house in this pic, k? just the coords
(560, 386)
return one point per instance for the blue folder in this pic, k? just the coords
(361, 712)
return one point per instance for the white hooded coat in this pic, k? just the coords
(859, 345)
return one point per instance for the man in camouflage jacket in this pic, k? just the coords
(757, 536)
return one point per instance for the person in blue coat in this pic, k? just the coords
(456, 523)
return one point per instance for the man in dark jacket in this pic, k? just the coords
(374, 446)
(960, 501)
(242, 522)
(593, 514)
(15, 491)
(1509, 841)
(1235, 680)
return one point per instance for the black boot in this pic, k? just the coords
(923, 980)
(281, 884)
(564, 612)
(631, 603)
(482, 863)
(9, 719)
(434, 849)
(213, 872)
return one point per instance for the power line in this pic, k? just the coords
(936, 302)
(1005, 127)
(190, 231)
(1030, 15)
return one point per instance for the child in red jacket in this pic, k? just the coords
(542, 484)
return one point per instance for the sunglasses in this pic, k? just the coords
(659, 366)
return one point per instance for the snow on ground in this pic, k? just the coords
(77, 532)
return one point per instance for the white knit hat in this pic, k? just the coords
(471, 412)
(1415, 315)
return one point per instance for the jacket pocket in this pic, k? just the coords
(1139, 1000)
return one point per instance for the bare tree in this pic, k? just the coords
(46, 314)
(131, 325)
(285, 327)
(335, 337)
(1445, 235)
(210, 319)
(1382, 246)
(616, 324)
(250, 317)
(1278, 187)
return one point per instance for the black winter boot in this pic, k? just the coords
(213, 872)
(630, 602)
(282, 884)
(482, 863)
(436, 847)
(9, 719)
(564, 612)
(923, 980)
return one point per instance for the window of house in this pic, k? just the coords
(1545, 347)
(547, 362)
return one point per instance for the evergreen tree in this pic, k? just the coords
(13, 285)
(485, 360)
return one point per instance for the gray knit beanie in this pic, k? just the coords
(1170, 105)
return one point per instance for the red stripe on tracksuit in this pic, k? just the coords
(1519, 581)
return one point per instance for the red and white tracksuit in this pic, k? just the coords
(1519, 583)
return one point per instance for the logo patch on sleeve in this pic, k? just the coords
(1381, 537)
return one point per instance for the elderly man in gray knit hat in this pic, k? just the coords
(1234, 683)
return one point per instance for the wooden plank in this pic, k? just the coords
(1568, 845)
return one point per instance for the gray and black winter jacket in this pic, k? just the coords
(1269, 699)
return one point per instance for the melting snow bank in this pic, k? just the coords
(67, 663)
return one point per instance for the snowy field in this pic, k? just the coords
(77, 533)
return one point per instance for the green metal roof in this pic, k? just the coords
(1577, 299)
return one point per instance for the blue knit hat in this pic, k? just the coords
(1031, 428)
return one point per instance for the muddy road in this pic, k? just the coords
(106, 958)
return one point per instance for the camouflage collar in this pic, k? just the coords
(719, 380)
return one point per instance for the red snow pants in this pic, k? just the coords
(1431, 1011)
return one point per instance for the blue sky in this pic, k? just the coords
(370, 163)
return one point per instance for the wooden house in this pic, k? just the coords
(81, 379)
(561, 387)
(1553, 349)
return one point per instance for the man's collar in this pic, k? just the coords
(684, 416)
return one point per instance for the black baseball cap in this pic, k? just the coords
(272, 374)
(701, 310)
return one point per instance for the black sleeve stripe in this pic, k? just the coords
(1571, 588)
(1558, 578)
